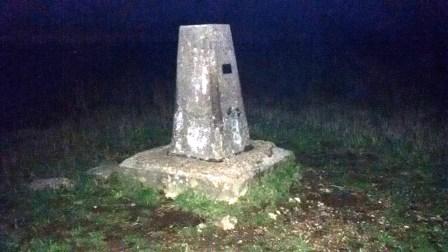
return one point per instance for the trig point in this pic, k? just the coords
(210, 151)
(210, 122)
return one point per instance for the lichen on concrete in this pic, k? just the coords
(210, 121)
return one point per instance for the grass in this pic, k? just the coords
(363, 181)
(269, 191)
(85, 216)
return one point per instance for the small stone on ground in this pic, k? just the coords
(104, 170)
(50, 183)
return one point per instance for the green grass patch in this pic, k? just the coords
(47, 245)
(274, 187)
(263, 196)
(137, 243)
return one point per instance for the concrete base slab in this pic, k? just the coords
(225, 181)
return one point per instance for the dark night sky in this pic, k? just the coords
(251, 20)
(393, 48)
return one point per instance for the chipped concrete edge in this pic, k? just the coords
(219, 187)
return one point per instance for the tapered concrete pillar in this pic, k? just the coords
(210, 121)
(209, 124)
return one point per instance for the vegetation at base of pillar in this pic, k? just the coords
(363, 180)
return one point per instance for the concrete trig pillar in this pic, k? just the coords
(210, 121)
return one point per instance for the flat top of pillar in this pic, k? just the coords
(204, 26)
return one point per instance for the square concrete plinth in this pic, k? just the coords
(225, 181)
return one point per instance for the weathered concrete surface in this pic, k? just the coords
(225, 181)
(210, 121)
